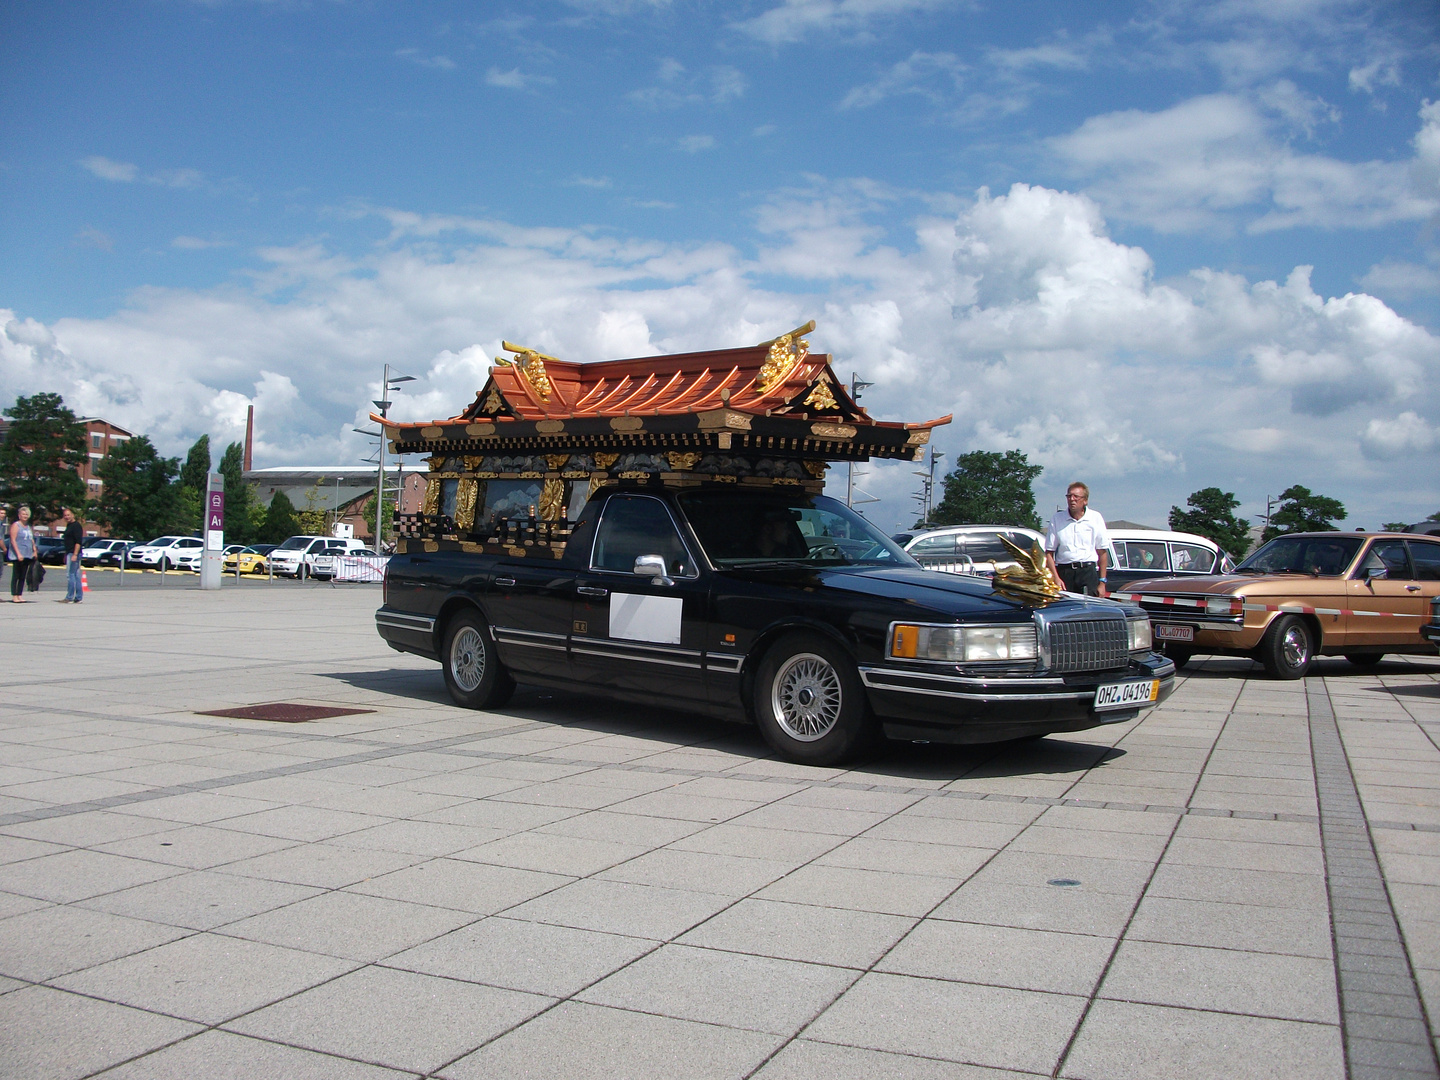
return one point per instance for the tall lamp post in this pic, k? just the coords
(389, 383)
(856, 385)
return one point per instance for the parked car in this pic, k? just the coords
(307, 556)
(1428, 528)
(967, 549)
(1431, 630)
(1302, 595)
(250, 560)
(98, 546)
(50, 549)
(116, 556)
(737, 603)
(163, 553)
(1139, 554)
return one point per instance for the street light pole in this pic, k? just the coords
(386, 385)
(856, 385)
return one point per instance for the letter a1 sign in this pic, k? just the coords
(215, 512)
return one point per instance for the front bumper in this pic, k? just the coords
(1431, 632)
(936, 704)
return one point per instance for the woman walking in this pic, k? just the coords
(22, 553)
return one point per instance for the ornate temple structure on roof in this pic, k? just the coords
(772, 413)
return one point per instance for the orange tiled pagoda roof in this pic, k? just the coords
(779, 380)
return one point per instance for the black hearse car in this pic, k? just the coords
(773, 605)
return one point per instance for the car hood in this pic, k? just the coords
(1240, 584)
(946, 594)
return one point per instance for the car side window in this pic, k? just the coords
(634, 525)
(1427, 560)
(1392, 556)
(1192, 558)
(934, 545)
(1147, 555)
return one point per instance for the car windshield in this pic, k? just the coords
(752, 528)
(295, 542)
(1322, 556)
(161, 541)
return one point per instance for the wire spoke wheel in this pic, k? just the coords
(467, 659)
(806, 696)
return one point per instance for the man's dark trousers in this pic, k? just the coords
(1080, 577)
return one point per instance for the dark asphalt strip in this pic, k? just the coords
(1380, 1009)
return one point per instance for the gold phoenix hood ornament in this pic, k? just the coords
(1029, 580)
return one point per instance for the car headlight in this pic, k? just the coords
(1224, 605)
(963, 644)
(1139, 634)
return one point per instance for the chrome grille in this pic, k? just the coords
(1088, 645)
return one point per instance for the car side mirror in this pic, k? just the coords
(1377, 573)
(653, 566)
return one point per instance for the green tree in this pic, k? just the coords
(312, 521)
(1212, 515)
(140, 498)
(280, 523)
(387, 519)
(195, 473)
(1303, 511)
(43, 447)
(1399, 526)
(194, 477)
(240, 498)
(990, 488)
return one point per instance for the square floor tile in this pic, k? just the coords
(1231, 926)
(1225, 980)
(464, 886)
(219, 1055)
(553, 852)
(206, 977)
(805, 1059)
(325, 866)
(1149, 1042)
(197, 847)
(732, 989)
(350, 926)
(586, 1042)
(964, 1022)
(1075, 910)
(44, 943)
(535, 957)
(671, 868)
(395, 1018)
(1001, 956)
(51, 1035)
(79, 874)
(862, 890)
(619, 907)
(200, 899)
(817, 935)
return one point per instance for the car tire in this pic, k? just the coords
(258, 568)
(1288, 648)
(1178, 657)
(809, 703)
(302, 571)
(166, 566)
(473, 673)
(1364, 659)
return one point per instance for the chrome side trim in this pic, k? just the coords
(965, 680)
(402, 621)
(532, 638)
(907, 682)
(615, 654)
(729, 664)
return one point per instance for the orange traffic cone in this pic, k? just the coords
(84, 582)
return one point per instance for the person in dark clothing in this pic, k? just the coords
(74, 541)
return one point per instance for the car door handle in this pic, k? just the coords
(591, 590)
(1412, 588)
(505, 582)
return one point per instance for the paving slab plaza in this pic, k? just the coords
(1244, 883)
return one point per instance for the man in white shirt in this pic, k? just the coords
(1077, 544)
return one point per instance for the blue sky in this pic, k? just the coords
(1077, 226)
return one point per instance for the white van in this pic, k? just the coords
(311, 556)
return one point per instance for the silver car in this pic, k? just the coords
(967, 549)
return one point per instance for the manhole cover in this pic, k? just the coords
(283, 712)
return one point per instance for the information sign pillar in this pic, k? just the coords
(212, 561)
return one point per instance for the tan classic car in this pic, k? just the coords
(1357, 595)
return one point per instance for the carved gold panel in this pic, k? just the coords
(465, 497)
(432, 496)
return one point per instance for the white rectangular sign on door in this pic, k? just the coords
(635, 617)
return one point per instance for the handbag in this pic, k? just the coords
(35, 575)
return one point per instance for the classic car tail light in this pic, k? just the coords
(963, 644)
(1225, 605)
